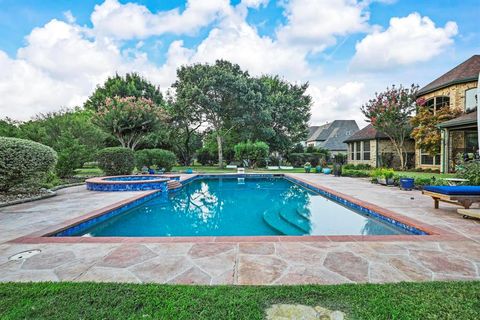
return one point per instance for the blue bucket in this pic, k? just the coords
(407, 183)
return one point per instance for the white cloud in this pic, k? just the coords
(342, 102)
(314, 24)
(131, 20)
(407, 40)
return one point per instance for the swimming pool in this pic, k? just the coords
(231, 206)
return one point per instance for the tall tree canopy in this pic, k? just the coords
(220, 93)
(131, 85)
(390, 112)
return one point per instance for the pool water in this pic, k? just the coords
(240, 207)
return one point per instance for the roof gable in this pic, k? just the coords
(332, 135)
(465, 72)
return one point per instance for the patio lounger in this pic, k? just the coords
(469, 213)
(273, 167)
(231, 166)
(286, 167)
(459, 195)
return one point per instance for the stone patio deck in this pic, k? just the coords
(238, 262)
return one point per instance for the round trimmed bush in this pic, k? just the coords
(155, 157)
(24, 163)
(116, 161)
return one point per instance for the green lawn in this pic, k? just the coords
(88, 172)
(431, 300)
(212, 169)
(411, 174)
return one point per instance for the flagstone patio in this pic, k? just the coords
(280, 261)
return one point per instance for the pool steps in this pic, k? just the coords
(173, 184)
(276, 222)
(297, 220)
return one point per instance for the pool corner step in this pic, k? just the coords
(297, 220)
(276, 222)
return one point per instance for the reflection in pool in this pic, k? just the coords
(233, 207)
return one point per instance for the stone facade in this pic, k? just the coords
(456, 93)
(382, 153)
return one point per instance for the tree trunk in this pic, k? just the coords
(220, 151)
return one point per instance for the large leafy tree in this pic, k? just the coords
(390, 112)
(129, 119)
(130, 85)
(220, 93)
(288, 107)
(425, 131)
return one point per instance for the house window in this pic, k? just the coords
(352, 152)
(437, 103)
(366, 150)
(358, 151)
(427, 159)
(470, 99)
(471, 141)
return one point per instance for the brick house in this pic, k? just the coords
(372, 147)
(456, 89)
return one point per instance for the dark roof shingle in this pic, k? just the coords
(332, 135)
(465, 72)
(367, 133)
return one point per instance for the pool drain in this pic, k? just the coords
(25, 254)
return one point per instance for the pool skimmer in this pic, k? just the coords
(24, 254)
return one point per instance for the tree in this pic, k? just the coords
(390, 112)
(219, 93)
(426, 133)
(132, 85)
(289, 108)
(129, 119)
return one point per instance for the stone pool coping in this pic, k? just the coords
(433, 233)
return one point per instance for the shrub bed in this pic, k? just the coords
(155, 157)
(116, 161)
(24, 163)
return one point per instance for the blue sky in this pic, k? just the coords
(345, 49)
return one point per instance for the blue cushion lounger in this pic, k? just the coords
(460, 195)
(454, 190)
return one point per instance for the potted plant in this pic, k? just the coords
(385, 176)
(318, 169)
(406, 183)
(307, 166)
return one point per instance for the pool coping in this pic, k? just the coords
(433, 233)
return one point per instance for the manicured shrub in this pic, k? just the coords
(116, 161)
(251, 152)
(24, 163)
(155, 157)
(470, 170)
(355, 173)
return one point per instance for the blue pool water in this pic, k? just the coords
(232, 207)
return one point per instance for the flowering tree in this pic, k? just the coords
(129, 119)
(425, 131)
(390, 112)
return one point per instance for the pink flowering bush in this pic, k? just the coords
(129, 119)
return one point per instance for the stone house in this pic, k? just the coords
(456, 89)
(369, 146)
(331, 136)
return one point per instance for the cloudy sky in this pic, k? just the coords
(54, 53)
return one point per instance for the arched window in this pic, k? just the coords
(470, 99)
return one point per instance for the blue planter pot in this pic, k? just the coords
(327, 170)
(318, 169)
(307, 169)
(407, 183)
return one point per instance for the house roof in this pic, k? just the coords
(464, 119)
(465, 72)
(367, 133)
(331, 135)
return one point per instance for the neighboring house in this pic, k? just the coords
(331, 136)
(370, 146)
(456, 89)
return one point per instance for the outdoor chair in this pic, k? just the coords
(459, 195)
